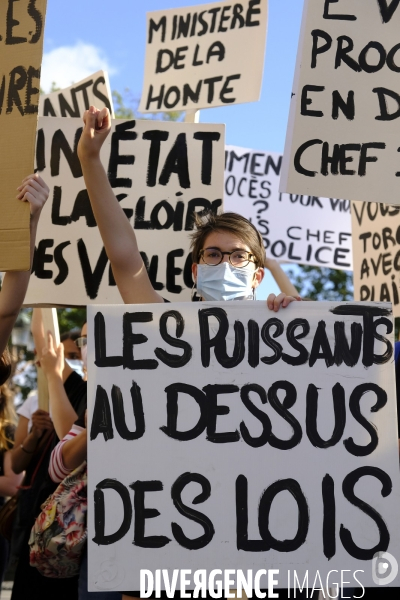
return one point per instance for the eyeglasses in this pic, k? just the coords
(237, 258)
(81, 341)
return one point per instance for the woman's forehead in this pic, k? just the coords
(224, 240)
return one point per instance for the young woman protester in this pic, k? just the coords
(228, 261)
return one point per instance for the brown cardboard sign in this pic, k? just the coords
(21, 48)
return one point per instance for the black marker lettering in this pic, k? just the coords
(131, 339)
(261, 440)
(198, 396)
(173, 360)
(214, 409)
(328, 15)
(218, 342)
(190, 513)
(282, 408)
(339, 407)
(18, 78)
(242, 520)
(346, 538)
(61, 263)
(101, 419)
(177, 162)
(291, 486)
(142, 513)
(355, 409)
(207, 138)
(119, 412)
(100, 516)
(120, 134)
(38, 18)
(101, 358)
(92, 279)
(329, 522)
(59, 143)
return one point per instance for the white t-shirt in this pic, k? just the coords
(30, 406)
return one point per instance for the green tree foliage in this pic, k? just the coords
(54, 88)
(71, 318)
(327, 284)
(121, 110)
(318, 283)
(126, 107)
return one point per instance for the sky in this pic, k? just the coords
(83, 36)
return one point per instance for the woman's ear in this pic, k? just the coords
(258, 277)
(194, 271)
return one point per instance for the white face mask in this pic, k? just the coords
(76, 365)
(225, 282)
(84, 355)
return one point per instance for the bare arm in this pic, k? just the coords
(74, 451)
(39, 339)
(282, 280)
(10, 480)
(22, 456)
(68, 454)
(62, 411)
(33, 190)
(37, 330)
(118, 236)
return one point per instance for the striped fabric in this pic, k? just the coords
(57, 469)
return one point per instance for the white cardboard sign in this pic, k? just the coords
(295, 228)
(342, 137)
(161, 172)
(376, 251)
(204, 421)
(73, 101)
(204, 56)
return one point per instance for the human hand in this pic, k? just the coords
(35, 191)
(275, 302)
(52, 359)
(40, 422)
(96, 129)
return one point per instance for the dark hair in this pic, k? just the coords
(233, 223)
(73, 335)
(5, 366)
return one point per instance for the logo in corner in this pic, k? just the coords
(384, 568)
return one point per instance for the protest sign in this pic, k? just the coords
(50, 324)
(204, 56)
(161, 172)
(342, 137)
(376, 251)
(225, 436)
(301, 229)
(21, 43)
(73, 101)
